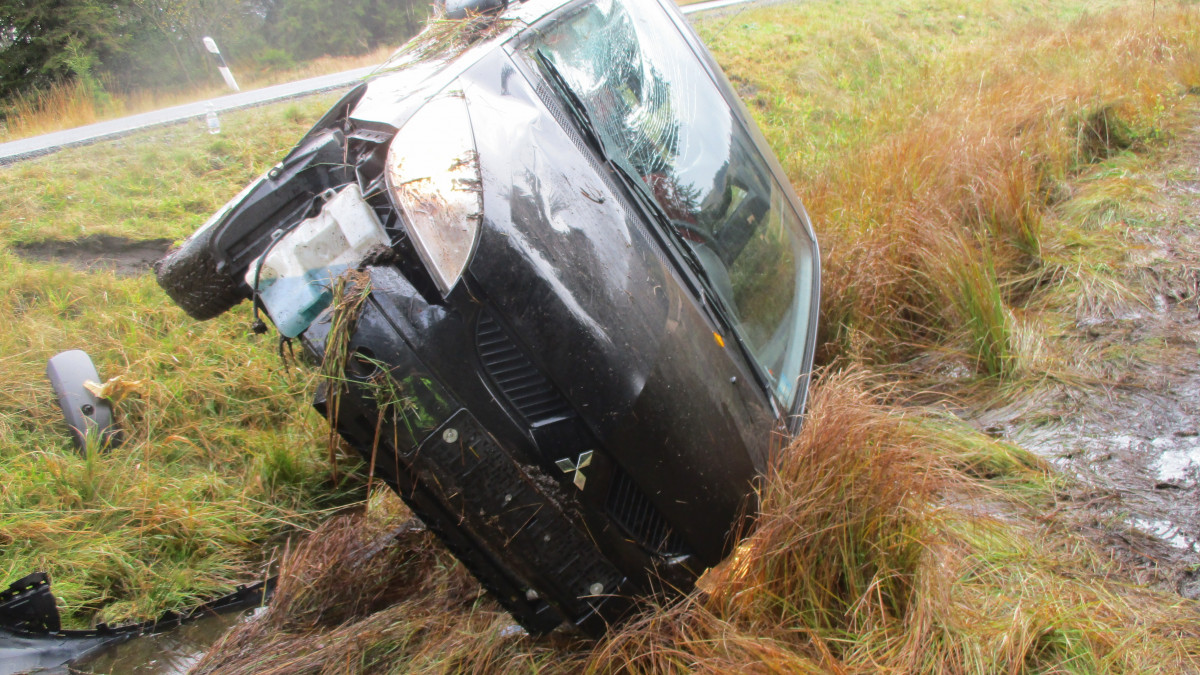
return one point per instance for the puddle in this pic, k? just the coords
(1165, 531)
(1134, 442)
(1177, 465)
(125, 257)
(1138, 447)
(171, 653)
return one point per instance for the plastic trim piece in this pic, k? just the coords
(90, 418)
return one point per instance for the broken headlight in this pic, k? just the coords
(433, 177)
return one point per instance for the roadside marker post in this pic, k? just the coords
(211, 46)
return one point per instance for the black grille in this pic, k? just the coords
(634, 511)
(522, 383)
(501, 500)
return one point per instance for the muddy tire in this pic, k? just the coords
(189, 276)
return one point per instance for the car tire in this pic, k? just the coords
(190, 277)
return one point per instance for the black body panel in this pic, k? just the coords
(575, 418)
(566, 259)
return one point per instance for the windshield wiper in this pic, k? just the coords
(574, 105)
(642, 193)
(710, 298)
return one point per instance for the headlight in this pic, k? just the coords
(433, 176)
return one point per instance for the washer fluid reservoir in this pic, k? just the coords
(297, 272)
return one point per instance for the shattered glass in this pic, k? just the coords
(662, 118)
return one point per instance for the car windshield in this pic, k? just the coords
(659, 115)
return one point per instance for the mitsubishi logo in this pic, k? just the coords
(576, 467)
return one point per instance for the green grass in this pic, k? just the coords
(947, 151)
(935, 141)
(888, 541)
(221, 452)
(158, 184)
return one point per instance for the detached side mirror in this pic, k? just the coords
(90, 417)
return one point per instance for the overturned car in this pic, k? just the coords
(568, 297)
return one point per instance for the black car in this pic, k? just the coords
(568, 297)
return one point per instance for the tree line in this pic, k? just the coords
(132, 44)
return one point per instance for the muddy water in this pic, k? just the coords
(1134, 441)
(170, 653)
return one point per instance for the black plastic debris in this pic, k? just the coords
(31, 638)
(27, 604)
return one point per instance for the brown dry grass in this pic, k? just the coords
(877, 549)
(358, 593)
(71, 105)
(892, 541)
(953, 196)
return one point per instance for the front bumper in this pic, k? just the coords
(419, 404)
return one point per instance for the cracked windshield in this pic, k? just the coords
(659, 117)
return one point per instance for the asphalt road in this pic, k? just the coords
(26, 148)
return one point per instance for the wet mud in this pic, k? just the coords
(120, 255)
(1136, 449)
(1133, 439)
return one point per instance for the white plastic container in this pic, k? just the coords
(211, 119)
(296, 275)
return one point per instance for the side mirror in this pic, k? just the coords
(89, 418)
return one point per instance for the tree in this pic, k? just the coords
(156, 44)
(47, 40)
(311, 28)
(177, 29)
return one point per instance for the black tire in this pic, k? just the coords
(189, 276)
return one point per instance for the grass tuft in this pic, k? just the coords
(910, 128)
(886, 541)
(350, 290)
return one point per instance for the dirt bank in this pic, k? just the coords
(125, 257)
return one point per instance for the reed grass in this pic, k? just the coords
(934, 142)
(887, 541)
(972, 170)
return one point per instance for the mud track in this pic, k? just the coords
(1134, 442)
(124, 257)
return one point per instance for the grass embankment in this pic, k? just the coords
(886, 543)
(70, 105)
(220, 450)
(966, 170)
(972, 174)
(944, 149)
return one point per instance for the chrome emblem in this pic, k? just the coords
(576, 467)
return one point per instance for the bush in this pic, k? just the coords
(273, 58)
